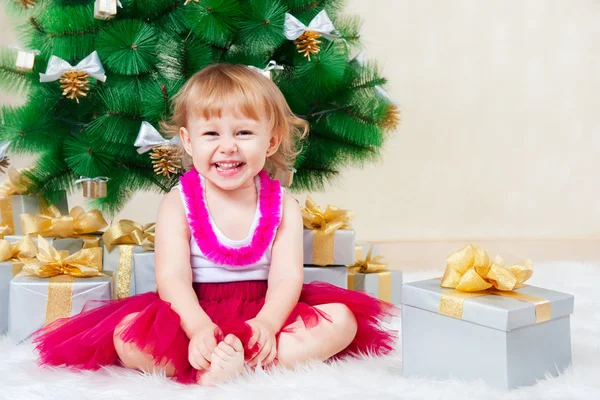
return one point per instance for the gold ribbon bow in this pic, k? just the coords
(324, 224)
(49, 262)
(127, 234)
(24, 248)
(130, 232)
(470, 272)
(52, 223)
(15, 184)
(62, 269)
(371, 265)
(368, 264)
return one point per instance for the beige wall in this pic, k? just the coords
(501, 129)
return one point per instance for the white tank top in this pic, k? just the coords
(230, 265)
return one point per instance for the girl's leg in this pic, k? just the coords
(132, 357)
(320, 342)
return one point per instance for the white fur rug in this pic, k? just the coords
(368, 378)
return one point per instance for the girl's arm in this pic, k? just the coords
(286, 274)
(172, 264)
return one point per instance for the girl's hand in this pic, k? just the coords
(263, 334)
(202, 344)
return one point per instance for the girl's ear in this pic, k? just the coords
(185, 140)
(274, 144)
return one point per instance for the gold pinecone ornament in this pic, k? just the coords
(166, 160)
(392, 118)
(308, 43)
(75, 84)
(26, 3)
(4, 165)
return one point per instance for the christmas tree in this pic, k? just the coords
(103, 68)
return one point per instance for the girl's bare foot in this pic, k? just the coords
(227, 361)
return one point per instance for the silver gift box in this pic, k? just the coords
(72, 245)
(110, 263)
(371, 283)
(22, 204)
(336, 275)
(7, 271)
(497, 340)
(143, 265)
(29, 295)
(343, 247)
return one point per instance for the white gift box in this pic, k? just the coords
(25, 204)
(336, 275)
(496, 340)
(143, 266)
(29, 301)
(8, 269)
(343, 247)
(105, 9)
(72, 245)
(120, 261)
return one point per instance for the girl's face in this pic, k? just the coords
(231, 150)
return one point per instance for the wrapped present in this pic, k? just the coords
(370, 273)
(54, 285)
(336, 275)
(15, 201)
(10, 266)
(72, 245)
(328, 237)
(77, 223)
(143, 271)
(481, 322)
(106, 9)
(121, 242)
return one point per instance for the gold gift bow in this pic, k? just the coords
(15, 184)
(471, 274)
(127, 234)
(52, 223)
(25, 247)
(5, 230)
(62, 269)
(371, 265)
(324, 224)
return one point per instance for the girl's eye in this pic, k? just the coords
(210, 133)
(245, 133)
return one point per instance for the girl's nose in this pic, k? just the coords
(228, 146)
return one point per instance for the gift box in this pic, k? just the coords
(35, 302)
(370, 273)
(143, 271)
(328, 237)
(507, 335)
(8, 269)
(11, 208)
(54, 284)
(105, 9)
(336, 275)
(72, 245)
(338, 249)
(119, 260)
(10, 266)
(122, 241)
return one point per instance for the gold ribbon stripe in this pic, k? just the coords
(124, 271)
(60, 298)
(452, 302)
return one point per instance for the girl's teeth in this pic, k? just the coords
(228, 165)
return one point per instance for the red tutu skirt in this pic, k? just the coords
(85, 341)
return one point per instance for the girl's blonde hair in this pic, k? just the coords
(227, 86)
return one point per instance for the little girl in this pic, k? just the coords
(228, 257)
